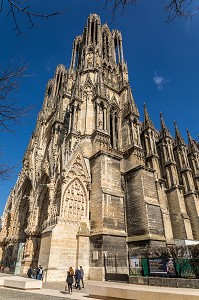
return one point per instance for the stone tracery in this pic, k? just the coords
(75, 206)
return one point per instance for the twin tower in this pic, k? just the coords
(96, 181)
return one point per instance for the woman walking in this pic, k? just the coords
(69, 280)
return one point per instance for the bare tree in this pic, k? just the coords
(174, 8)
(5, 172)
(180, 8)
(18, 8)
(11, 112)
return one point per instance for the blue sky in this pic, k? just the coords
(162, 61)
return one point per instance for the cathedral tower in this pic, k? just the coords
(97, 182)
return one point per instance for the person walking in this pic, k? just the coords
(82, 276)
(71, 271)
(29, 273)
(69, 280)
(77, 279)
(34, 273)
(40, 273)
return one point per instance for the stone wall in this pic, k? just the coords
(144, 217)
(162, 281)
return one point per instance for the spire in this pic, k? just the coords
(164, 132)
(191, 143)
(147, 121)
(133, 106)
(178, 138)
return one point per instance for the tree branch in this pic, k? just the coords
(10, 111)
(20, 7)
(6, 172)
(174, 8)
(119, 3)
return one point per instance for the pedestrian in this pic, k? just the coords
(71, 271)
(34, 273)
(29, 272)
(40, 273)
(82, 276)
(69, 280)
(77, 278)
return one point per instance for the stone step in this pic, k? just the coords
(139, 292)
(20, 283)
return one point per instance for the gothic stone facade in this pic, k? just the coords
(95, 179)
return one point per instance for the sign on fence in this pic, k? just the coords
(162, 266)
(135, 266)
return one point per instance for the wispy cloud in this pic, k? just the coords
(160, 81)
(48, 69)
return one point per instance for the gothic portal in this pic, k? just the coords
(95, 179)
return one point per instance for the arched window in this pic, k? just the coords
(49, 91)
(72, 118)
(105, 46)
(23, 208)
(114, 128)
(93, 33)
(101, 117)
(58, 83)
(118, 49)
(43, 202)
(76, 57)
(66, 120)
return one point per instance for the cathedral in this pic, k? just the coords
(97, 181)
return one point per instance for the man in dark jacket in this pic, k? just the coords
(77, 278)
(82, 276)
(29, 273)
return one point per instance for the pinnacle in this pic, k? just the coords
(164, 132)
(147, 121)
(132, 103)
(178, 138)
(191, 143)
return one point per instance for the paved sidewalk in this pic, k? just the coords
(58, 289)
(50, 290)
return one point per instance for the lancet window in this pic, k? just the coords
(23, 208)
(76, 53)
(43, 202)
(58, 83)
(67, 120)
(8, 220)
(105, 46)
(73, 118)
(118, 49)
(57, 199)
(93, 31)
(101, 116)
(49, 91)
(76, 56)
(114, 128)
